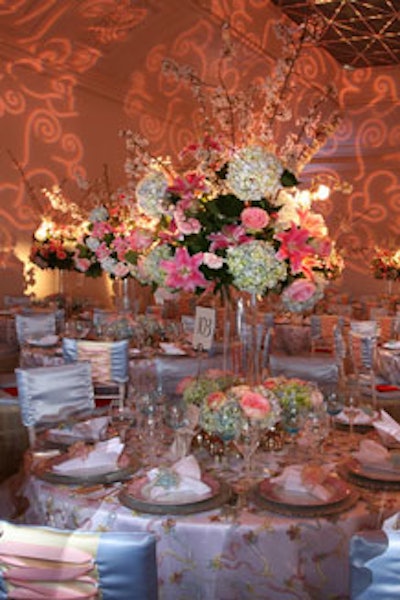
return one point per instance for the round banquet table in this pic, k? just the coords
(222, 554)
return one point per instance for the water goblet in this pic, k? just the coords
(350, 409)
(334, 404)
(122, 418)
(247, 442)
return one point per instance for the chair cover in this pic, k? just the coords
(110, 359)
(311, 367)
(375, 565)
(34, 325)
(47, 394)
(43, 562)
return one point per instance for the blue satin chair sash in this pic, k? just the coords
(117, 353)
(44, 562)
(375, 565)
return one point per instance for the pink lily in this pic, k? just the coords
(183, 271)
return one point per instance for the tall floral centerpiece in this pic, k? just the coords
(112, 242)
(385, 265)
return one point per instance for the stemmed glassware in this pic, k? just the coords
(247, 442)
(334, 404)
(350, 409)
(122, 418)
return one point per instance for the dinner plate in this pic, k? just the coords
(134, 495)
(89, 476)
(274, 497)
(370, 475)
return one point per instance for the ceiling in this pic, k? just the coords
(357, 33)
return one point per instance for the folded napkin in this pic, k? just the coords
(387, 427)
(90, 430)
(181, 482)
(294, 478)
(372, 455)
(102, 458)
(45, 340)
(362, 417)
(172, 349)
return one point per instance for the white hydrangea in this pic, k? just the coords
(150, 192)
(255, 268)
(100, 213)
(150, 265)
(254, 173)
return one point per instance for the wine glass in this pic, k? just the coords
(247, 442)
(334, 404)
(122, 418)
(350, 409)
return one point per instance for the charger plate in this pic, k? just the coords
(133, 496)
(275, 498)
(369, 476)
(84, 476)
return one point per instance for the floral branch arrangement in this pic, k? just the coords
(385, 264)
(231, 214)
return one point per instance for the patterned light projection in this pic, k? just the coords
(73, 74)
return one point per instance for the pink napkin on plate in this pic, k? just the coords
(387, 428)
(374, 456)
(361, 417)
(292, 480)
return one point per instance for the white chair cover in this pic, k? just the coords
(48, 394)
(35, 325)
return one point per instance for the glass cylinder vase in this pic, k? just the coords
(254, 342)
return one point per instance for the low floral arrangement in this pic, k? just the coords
(224, 413)
(195, 389)
(385, 264)
(304, 395)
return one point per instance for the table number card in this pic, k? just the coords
(204, 328)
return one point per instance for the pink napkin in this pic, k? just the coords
(387, 428)
(372, 455)
(292, 480)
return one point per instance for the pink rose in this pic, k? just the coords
(254, 405)
(212, 261)
(254, 218)
(300, 290)
(184, 383)
(215, 400)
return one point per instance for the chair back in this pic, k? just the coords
(374, 565)
(49, 394)
(109, 360)
(322, 329)
(34, 325)
(43, 562)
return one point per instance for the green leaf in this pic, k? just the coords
(288, 179)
